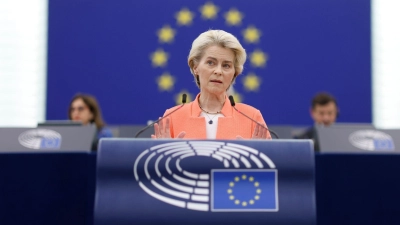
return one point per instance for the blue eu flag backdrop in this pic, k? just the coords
(132, 55)
(244, 190)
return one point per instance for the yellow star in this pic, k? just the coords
(166, 82)
(251, 34)
(233, 17)
(237, 97)
(184, 17)
(229, 191)
(209, 11)
(244, 177)
(258, 191)
(251, 179)
(231, 197)
(237, 202)
(256, 184)
(244, 204)
(166, 34)
(251, 82)
(236, 179)
(258, 58)
(231, 184)
(159, 58)
(178, 97)
(251, 202)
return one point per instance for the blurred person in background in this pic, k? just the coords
(324, 111)
(85, 109)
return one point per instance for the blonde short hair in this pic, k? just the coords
(220, 38)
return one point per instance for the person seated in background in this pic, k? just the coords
(215, 60)
(85, 109)
(324, 111)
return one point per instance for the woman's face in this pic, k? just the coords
(215, 69)
(80, 111)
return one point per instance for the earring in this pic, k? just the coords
(198, 80)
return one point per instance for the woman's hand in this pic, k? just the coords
(162, 130)
(260, 132)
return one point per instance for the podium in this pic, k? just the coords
(142, 181)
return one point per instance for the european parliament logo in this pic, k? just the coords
(243, 178)
(372, 140)
(40, 139)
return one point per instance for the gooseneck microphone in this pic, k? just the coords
(233, 105)
(147, 127)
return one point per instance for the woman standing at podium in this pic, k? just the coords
(215, 60)
(85, 109)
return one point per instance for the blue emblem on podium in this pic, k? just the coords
(244, 190)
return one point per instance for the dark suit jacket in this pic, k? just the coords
(310, 133)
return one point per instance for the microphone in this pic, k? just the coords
(147, 127)
(233, 105)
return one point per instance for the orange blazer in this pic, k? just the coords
(232, 124)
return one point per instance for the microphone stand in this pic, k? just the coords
(233, 105)
(147, 127)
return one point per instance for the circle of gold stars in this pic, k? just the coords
(258, 58)
(233, 17)
(159, 58)
(238, 201)
(184, 17)
(166, 34)
(251, 82)
(209, 11)
(165, 82)
(251, 34)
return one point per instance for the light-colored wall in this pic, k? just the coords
(23, 49)
(386, 63)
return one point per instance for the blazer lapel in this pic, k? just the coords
(227, 123)
(196, 124)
